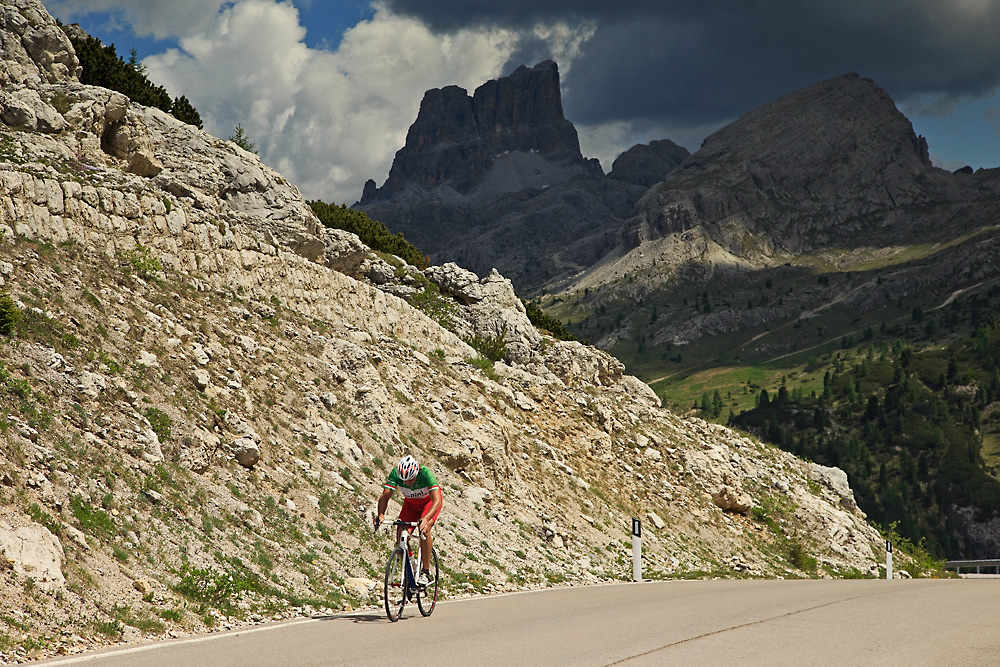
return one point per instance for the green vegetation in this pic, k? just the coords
(776, 515)
(143, 262)
(10, 314)
(433, 304)
(371, 232)
(546, 322)
(240, 138)
(216, 588)
(485, 365)
(92, 520)
(160, 422)
(909, 427)
(493, 348)
(102, 66)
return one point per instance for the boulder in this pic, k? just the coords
(730, 499)
(477, 495)
(575, 363)
(460, 283)
(835, 480)
(43, 54)
(34, 552)
(458, 456)
(91, 384)
(24, 108)
(246, 452)
(359, 587)
(201, 378)
(344, 251)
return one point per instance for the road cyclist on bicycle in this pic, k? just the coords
(422, 501)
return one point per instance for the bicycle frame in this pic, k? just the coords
(404, 543)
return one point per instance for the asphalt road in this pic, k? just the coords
(732, 623)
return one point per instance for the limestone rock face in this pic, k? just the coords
(33, 49)
(831, 173)
(804, 150)
(489, 308)
(575, 363)
(836, 480)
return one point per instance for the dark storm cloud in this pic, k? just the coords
(681, 63)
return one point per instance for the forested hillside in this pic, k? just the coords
(916, 431)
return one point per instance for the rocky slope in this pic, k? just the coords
(497, 180)
(206, 389)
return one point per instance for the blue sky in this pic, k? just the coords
(328, 88)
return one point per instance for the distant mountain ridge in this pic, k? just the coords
(829, 178)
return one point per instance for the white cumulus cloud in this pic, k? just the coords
(160, 18)
(327, 120)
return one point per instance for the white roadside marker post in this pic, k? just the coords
(636, 550)
(888, 560)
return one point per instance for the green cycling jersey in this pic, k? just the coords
(420, 490)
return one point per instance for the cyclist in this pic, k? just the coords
(422, 501)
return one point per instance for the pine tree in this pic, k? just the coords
(241, 139)
(183, 110)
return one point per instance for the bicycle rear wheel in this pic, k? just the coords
(395, 585)
(428, 595)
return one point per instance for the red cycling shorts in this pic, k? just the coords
(416, 510)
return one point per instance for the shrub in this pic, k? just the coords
(92, 519)
(546, 322)
(434, 305)
(799, 557)
(241, 139)
(184, 111)
(493, 348)
(160, 422)
(109, 628)
(485, 365)
(371, 232)
(143, 262)
(211, 587)
(10, 314)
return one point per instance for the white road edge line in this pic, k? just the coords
(177, 642)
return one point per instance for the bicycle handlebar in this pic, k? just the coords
(410, 524)
(406, 524)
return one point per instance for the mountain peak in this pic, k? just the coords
(846, 114)
(457, 139)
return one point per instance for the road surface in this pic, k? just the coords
(691, 623)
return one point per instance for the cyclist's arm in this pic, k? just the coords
(436, 501)
(383, 502)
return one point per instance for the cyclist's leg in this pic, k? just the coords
(427, 544)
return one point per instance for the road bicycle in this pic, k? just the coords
(401, 575)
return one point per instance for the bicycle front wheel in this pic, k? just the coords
(427, 596)
(395, 585)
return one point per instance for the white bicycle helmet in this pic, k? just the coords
(407, 468)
